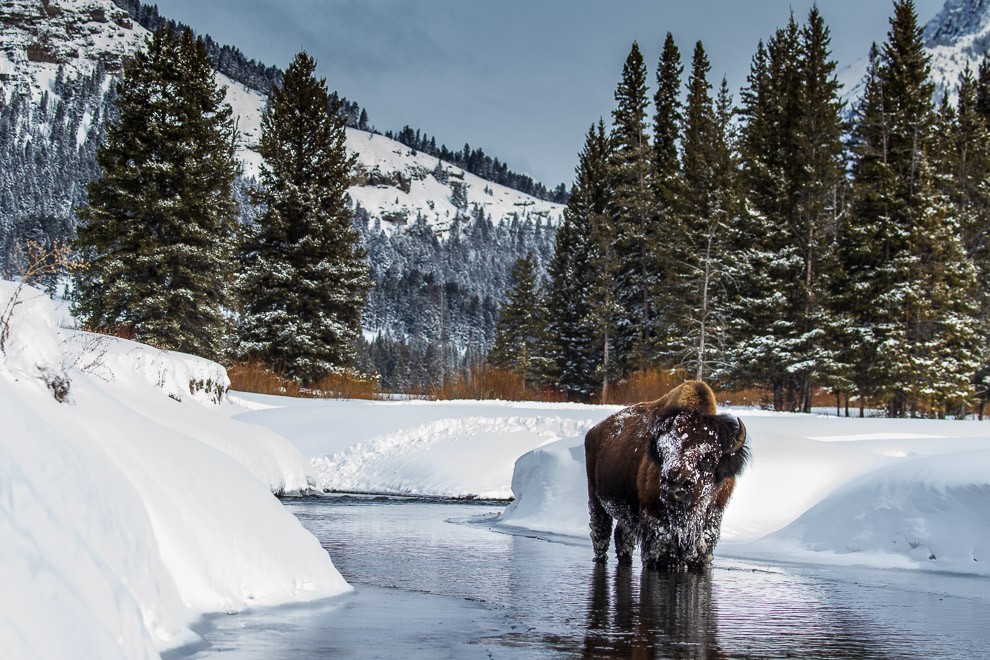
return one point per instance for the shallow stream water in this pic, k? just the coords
(434, 580)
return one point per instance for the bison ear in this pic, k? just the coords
(734, 460)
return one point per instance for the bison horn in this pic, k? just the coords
(741, 440)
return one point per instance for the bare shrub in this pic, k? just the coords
(39, 265)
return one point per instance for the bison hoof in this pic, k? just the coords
(601, 559)
(624, 560)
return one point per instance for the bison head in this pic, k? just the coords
(696, 453)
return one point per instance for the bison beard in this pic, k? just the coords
(663, 471)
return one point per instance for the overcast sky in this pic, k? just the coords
(522, 79)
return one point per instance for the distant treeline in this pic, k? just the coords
(479, 163)
(255, 75)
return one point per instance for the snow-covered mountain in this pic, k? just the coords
(393, 183)
(956, 38)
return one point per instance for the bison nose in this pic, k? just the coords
(680, 493)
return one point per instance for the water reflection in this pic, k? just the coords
(660, 615)
(526, 598)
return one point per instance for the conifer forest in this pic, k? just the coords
(773, 238)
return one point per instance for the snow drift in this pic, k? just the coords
(136, 503)
(873, 492)
(463, 449)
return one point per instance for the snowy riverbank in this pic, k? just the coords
(136, 504)
(885, 493)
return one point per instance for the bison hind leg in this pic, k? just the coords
(601, 529)
(625, 543)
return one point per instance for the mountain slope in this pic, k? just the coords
(45, 41)
(441, 241)
(956, 38)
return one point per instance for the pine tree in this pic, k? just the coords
(576, 276)
(782, 328)
(819, 181)
(668, 191)
(158, 236)
(631, 214)
(305, 275)
(521, 330)
(909, 280)
(966, 164)
(705, 209)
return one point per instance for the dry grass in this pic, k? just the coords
(344, 386)
(255, 376)
(646, 385)
(486, 382)
(747, 397)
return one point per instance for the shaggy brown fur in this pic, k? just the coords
(663, 471)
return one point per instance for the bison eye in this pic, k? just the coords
(707, 464)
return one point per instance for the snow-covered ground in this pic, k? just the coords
(144, 497)
(875, 492)
(136, 504)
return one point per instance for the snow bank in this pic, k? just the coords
(442, 449)
(873, 492)
(137, 504)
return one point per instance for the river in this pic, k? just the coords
(434, 580)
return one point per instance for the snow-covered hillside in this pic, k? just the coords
(392, 183)
(135, 504)
(956, 38)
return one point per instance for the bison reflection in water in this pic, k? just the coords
(663, 471)
(671, 616)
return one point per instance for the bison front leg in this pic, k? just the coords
(625, 543)
(704, 552)
(601, 528)
(656, 547)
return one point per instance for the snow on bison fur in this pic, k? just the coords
(664, 471)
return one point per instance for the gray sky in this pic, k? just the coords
(522, 79)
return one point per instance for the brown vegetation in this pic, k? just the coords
(487, 382)
(255, 376)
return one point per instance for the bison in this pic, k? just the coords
(663, 471)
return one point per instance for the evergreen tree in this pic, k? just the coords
(305, 276)
(631, 215)
(909, 280)
(519, 345)
(668, 191)
(820, 181)
(966, 163)
(574, 274)
(158, 236)
(782, 325)
(706, 208)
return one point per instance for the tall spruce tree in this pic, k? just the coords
(820, 184)
(966, 163)
(576, 274)
(305, 276)
(668, 190)
(705, 208)
(631, 214)
(909, 280)
(158, 237)
(782, 327)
